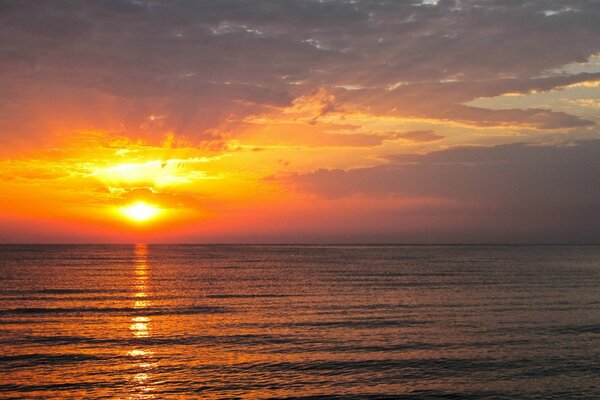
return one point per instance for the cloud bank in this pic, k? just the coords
(501, 193)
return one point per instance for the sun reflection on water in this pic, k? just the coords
(141, 328)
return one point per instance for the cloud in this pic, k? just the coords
(419, 136)
(205, 62)
(446, 101)
(530, 192)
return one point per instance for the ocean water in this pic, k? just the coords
(325, 322)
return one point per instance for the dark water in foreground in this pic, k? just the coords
(406, 322)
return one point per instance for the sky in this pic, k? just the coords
(330, 121)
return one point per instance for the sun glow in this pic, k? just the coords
(140, 211)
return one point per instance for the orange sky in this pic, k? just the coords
(339, 122)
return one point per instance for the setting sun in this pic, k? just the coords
(140, 212)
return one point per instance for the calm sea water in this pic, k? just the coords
(346, 322)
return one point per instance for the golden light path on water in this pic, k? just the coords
(141, 328)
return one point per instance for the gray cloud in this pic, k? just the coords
(445, 100)
(517, 192)
(197, 60)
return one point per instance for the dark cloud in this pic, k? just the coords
(199, 59)
(508, 192)
(445, 100)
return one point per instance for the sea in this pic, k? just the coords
(299, 322)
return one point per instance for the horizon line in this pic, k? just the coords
(307, 244)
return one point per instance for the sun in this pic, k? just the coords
(140, 211)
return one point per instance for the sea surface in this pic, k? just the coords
(299, 322)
